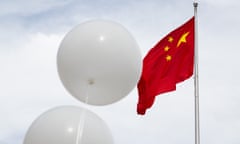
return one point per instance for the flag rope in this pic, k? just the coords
(81, 123)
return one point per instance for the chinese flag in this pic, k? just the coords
(169, 62)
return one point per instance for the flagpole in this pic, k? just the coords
(196, 82)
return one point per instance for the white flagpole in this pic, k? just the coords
(196, 82)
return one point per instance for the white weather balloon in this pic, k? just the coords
(99, 62)
(68, 125)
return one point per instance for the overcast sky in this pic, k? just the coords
(30, 34)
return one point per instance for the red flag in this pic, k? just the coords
(166, 64)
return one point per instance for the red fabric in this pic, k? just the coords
(166, 64)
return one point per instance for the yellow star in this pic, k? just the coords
(170, 39)
(168, 57)
(166, 48)
(182, 39)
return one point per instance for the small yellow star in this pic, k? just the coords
(170, 39)
(182, 39)
(166, 48)
(168, 57)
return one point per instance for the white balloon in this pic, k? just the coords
(99, 62)
(68, 125)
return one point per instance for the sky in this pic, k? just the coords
(30, 35)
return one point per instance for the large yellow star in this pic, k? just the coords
(182, 39)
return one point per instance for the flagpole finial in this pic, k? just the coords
(195, 4)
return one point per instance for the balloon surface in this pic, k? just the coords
(68, 125)
(99, 62)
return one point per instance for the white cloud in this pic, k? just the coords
(1, 142)
(25, 77)
(24, 8)
(221, 3)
